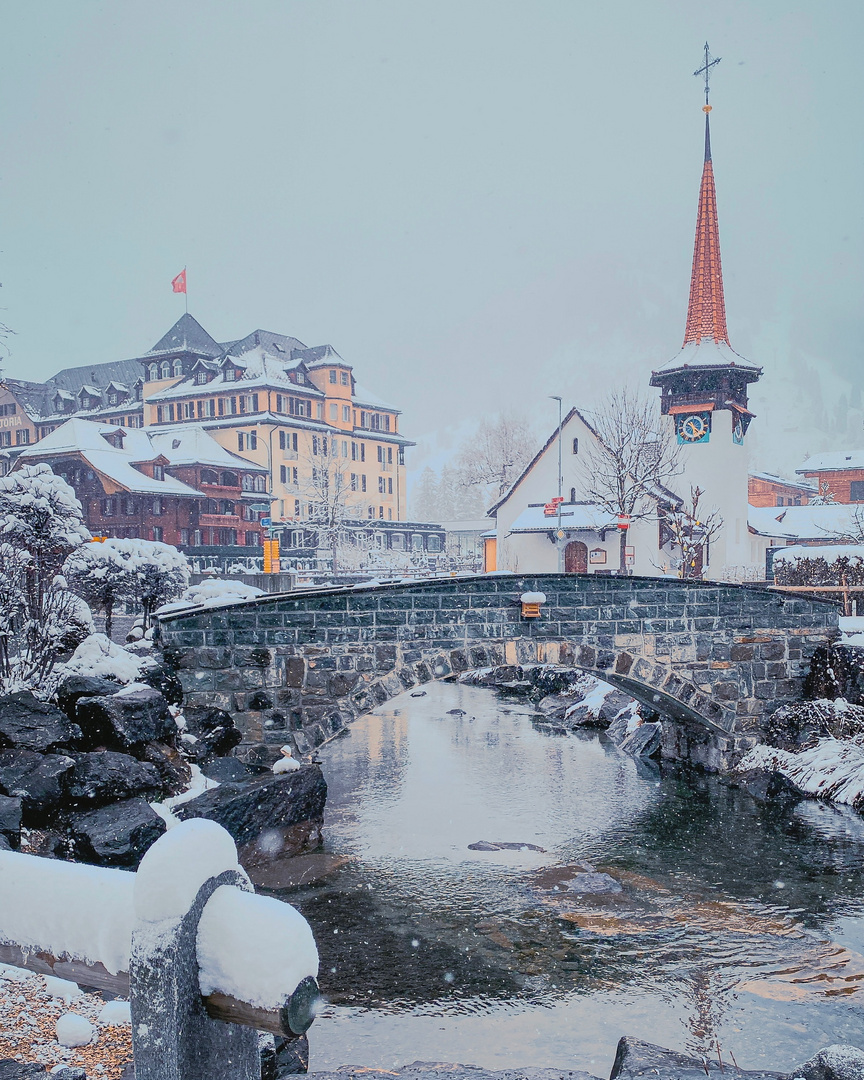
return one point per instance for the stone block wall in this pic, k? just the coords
(298, 667)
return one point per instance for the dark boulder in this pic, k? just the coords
(833, 1063)
(73, 687)
(288, 807)
(644, 742)
(30, 724)
(107, 776)
(125, 721)
(612, 705)
(226, 770)
(19, 1070)
(166, 682)
(10, 820)
(213, 727)
(635, 1058)
(173, 768)
(39, 779)
(115, 835)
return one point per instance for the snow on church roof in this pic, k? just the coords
(706, 353)
(578, 517)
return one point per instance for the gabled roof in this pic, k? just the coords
(186, 335)
(318, 354)
(279, 344)
(33, 397)
(87, 439)
(565, 421)
(575, 517)
(800, 485)
(72, 379)
(191, 445)
(834, 461)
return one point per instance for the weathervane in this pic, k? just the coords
(705, 71)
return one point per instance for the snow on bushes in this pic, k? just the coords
(100, 657)
(831, 564)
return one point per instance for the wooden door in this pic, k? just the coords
(576, 558)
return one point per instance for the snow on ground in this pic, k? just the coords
(29, 1010)
(831, 770)
(213, 593)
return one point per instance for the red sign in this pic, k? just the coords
(623, 522)
(551, 508)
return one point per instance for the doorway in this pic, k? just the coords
(576, 558)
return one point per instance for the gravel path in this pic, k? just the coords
(28, 1018)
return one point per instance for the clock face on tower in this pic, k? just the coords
(693, 427)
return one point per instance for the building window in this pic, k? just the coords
(165, 370)
(344, 378)
(401, 458)
(129, 507)
(158, 472)
(109, 507)
(184, 536)
(856, 491)
(158, 508)
(296, 508)
(389, 455)
(319, 410)
(389, 485)
(371, 511)
(283, 474)
(201, 378)
(208, 476)
(353, 481)
(575, 446)
(334, 411)
(188, 410)
(230, 374)
(158, 533)
(178, 368)
(171, 412)
(332, 375)
(153, 372)
(230, 479)
(22, 437)
(363, 483)
(380, 485)
(221, 406)
(433, 543)
(253, 539)
(381, 512)
(196, 538)
(346, 414)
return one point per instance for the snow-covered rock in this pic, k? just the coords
(115, 1013)
(97, 656)
(74, 1030)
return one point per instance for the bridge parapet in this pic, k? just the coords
(297, 667)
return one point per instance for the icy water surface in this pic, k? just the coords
(735, 922)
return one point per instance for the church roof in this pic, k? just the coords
(706, 339)
(186, 335)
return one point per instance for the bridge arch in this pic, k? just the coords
(713, 658)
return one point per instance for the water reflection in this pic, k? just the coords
(731, 920)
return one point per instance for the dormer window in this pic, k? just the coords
(201, 378)
(115, 438)
(113, 397)
(152, 372)
(230, 374)
(165, 370)
(158, 472)
(178, 368)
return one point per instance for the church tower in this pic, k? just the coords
(704, 388)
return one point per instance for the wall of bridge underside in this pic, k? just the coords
(713, 658)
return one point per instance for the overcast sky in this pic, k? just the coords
(477, 203)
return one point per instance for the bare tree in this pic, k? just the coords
(496, 454)
(332, 498)
(692, 528)
(633, 457)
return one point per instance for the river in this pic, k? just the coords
(737, 923)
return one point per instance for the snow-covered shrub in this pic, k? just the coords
(839, 564)
(160, 574)
(41, 523)
(100, 657)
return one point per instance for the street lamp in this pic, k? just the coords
(554, 397)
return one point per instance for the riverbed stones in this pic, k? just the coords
(634, 1058)
(126, 720)
(30, 724)
(588, 883)
(212, 727)
(114, 835)
(833, 1063)
(644, 742)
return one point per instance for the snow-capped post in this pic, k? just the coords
(531, 602)
(209, 962)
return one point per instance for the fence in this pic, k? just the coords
(205, 962)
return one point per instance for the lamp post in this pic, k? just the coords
(559, 549)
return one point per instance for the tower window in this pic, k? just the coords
(575, 446)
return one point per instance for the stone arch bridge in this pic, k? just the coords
(713, 658)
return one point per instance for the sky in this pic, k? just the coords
(478, 203)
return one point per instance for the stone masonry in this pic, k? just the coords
(713, 658)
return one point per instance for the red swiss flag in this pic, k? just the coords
(179, 282)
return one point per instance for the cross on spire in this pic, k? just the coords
(705, 70)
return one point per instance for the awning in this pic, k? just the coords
(707, 407)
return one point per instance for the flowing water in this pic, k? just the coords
(735, 923)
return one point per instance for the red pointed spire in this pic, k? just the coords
(706, 312)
